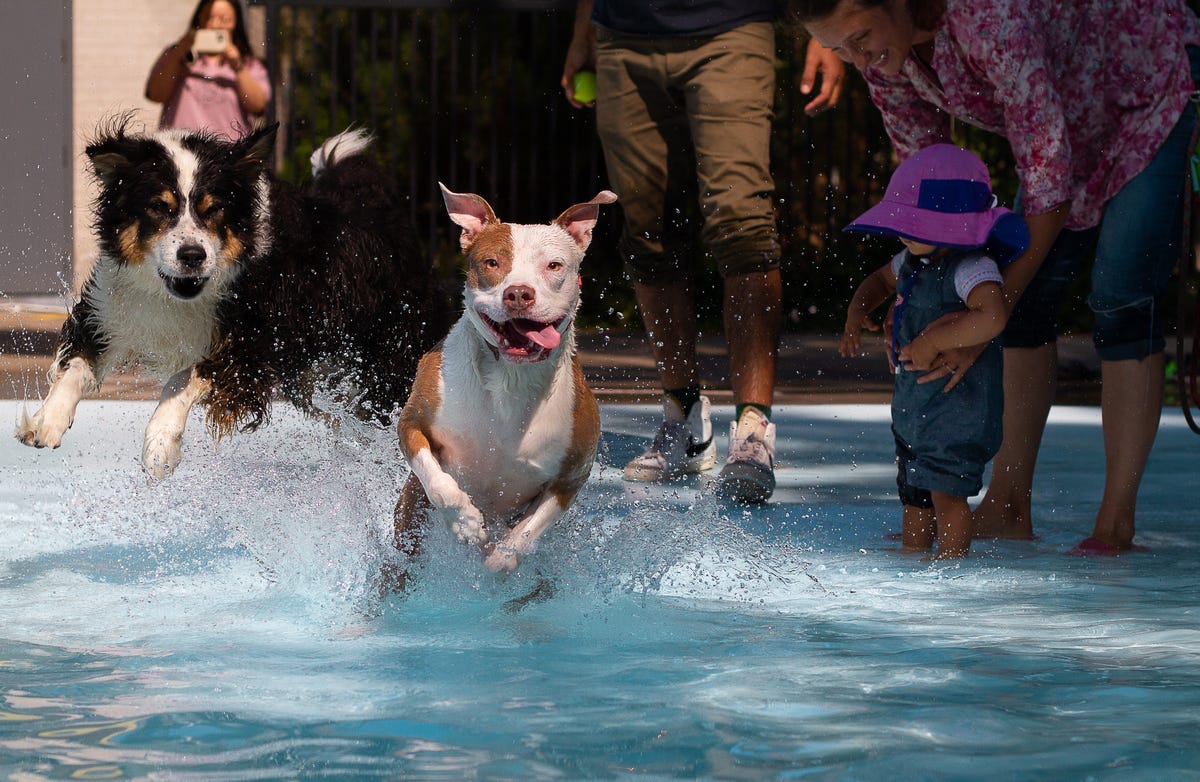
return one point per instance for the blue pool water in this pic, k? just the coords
(225, 625)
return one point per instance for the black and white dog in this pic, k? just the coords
(234, 286)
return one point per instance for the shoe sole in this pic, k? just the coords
(640, 474)
(746, 483)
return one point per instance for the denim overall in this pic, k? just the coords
(944, 440)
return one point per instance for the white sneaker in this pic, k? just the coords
(682, 445)
(749, 472)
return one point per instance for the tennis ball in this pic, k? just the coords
(585, 86)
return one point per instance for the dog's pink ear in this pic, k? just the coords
(468, 211)
(579, 220)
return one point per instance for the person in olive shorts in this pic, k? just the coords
(684, 103)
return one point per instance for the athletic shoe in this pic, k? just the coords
(681, 447)
(749, 472)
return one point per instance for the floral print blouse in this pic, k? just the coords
(1085, 91)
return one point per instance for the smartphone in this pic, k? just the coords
(210, 41)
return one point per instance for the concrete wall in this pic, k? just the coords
(115, 42)
(35, 90)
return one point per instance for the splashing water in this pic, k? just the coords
(227, 623)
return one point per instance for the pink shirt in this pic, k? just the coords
(207, 99)
(1085, 91)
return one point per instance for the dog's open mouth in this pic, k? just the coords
(184, 287)
(525, 340)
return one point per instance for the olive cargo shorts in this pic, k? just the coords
(687, 121)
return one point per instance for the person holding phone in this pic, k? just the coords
(210, 79)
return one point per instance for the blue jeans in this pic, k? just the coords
(1136, 246)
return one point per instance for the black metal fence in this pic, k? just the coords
(468, 94)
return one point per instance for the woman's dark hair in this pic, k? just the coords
(925, 13)
(802, 11)
(239, 27)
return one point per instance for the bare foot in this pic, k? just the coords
(995, 518)
(1114, 524)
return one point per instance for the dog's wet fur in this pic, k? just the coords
(236, 285)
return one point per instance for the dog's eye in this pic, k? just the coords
(554, 266)
(211, 210)
(491, 263)
(159, 208)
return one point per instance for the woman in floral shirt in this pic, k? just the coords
(1093, 97)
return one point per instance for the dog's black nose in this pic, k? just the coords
(519, 297)
(191, 256)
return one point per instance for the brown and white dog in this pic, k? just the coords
(501, 429)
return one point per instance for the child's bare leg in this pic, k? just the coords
(916, 531)
(954, 522)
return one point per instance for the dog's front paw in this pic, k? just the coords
(466, 522)
(161, 454)
(41, 430)
(500, 558)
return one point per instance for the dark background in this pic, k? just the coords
(470, 96)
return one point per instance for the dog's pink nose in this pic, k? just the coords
(518, 298)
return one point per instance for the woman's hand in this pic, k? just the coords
(955, 362)
(919, 355)
(232, 57)
(952, 361)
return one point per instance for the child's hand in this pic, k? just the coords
(851, 343)
(919, 354)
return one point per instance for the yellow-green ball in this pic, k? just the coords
(585, 86)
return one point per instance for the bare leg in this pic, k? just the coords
(953, 526)
(753, 313)
(916, 532)
(670, 316)
(1030, 378)
(1131, 403)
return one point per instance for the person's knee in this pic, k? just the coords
(648, 263)
(1126, 326)
(756, 251)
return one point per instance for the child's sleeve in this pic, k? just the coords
(973, 271)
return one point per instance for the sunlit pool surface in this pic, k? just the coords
(226, 624)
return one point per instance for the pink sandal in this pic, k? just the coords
(1094, 547)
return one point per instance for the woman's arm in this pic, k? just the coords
(1043, 231)
(168, 69)
(251, 93)
(982, 321)
(253, 87)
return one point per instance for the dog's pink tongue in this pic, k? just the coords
(546, 337)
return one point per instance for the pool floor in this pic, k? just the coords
(227, 624)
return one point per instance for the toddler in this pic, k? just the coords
(949, 294)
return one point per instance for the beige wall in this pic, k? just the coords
(114, 43)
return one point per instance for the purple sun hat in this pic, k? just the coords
(942, 195)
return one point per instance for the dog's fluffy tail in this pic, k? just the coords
(338, 148)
